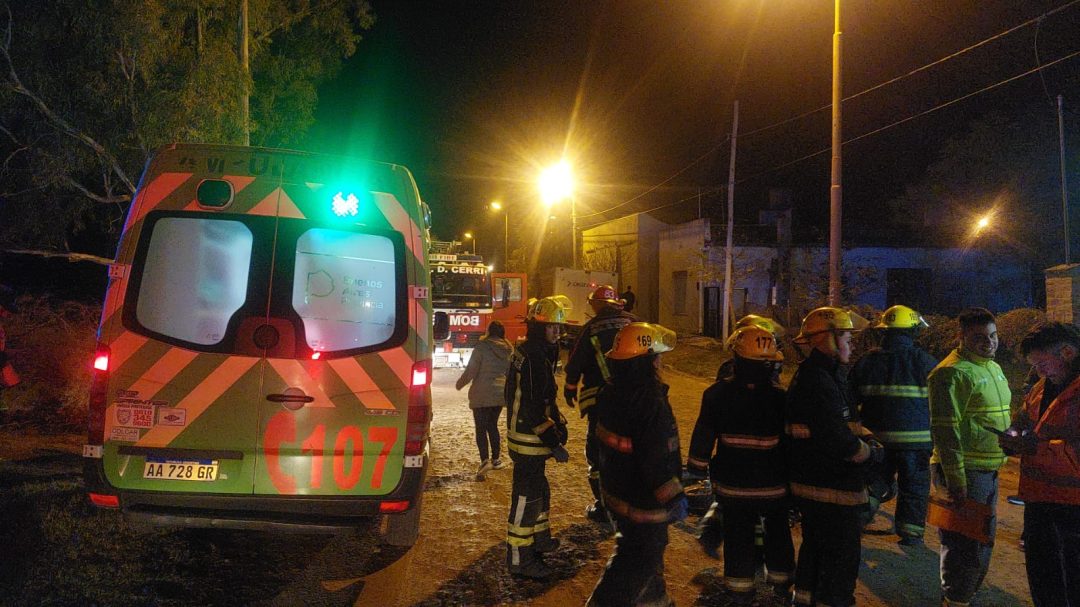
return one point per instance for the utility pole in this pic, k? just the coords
(730, 225)
(244, 98)
(1064, 181)
(835, 189)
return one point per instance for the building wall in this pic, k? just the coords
(957, 278)
(1063, 293)
(628, 246)
(682, 250)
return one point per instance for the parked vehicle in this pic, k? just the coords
(264, 348)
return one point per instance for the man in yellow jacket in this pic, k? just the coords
(969, 406)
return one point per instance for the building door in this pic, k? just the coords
(713, 311)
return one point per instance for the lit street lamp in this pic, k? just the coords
(557, 183)
(469, 236)
(497, 206)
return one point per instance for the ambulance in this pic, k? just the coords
(264, 352)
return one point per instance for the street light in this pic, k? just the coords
(556, 183)
(835, 189)
(495, 205)
(469, 236)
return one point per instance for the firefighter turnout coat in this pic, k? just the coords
(825, 436)
(890, 383)
(640, 460)
(534, 424)
(744, 424)
(586, 369)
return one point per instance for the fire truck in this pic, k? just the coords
(460, 287)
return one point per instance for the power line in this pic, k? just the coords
(1038, 68)
(653, 188)
(917, 70)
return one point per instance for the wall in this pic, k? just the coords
(628, 246)
(1063, 293)
(682, 249)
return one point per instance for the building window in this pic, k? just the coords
(679, 278)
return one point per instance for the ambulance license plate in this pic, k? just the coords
(205, 470)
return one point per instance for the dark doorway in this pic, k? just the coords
(713, 312)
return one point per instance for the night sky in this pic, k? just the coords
(475, 97)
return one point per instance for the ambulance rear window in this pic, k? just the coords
(195, 277)
(345, 289)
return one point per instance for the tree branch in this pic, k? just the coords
(15, 84)
(72, 257)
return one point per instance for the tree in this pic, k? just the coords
(1004, 165)
(88, 88)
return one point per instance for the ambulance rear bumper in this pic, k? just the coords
(300, 513)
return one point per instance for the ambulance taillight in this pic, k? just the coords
(95, 417)
(419, 417)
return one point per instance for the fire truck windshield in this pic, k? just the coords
(459, 290)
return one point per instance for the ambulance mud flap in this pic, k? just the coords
(402, 529)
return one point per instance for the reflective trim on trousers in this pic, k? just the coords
(829, 495)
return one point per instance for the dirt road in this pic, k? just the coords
(59, 550)
(459, 557)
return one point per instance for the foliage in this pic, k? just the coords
(53, 345)
(1002, 165)
(91, 87)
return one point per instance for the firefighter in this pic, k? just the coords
(737, 441)
(889, 385)
(536, 431)
(640, 464)
(587, 372)
(712, 524)
(825, 461)
(751, 320)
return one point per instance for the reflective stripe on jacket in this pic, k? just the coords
(638, 454)
(968, 394)
(890, 385)
(586, 357)
(1052, 473)
(825, 452)
(738, 436)
(531, 416)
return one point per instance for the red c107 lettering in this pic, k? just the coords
(347, 453)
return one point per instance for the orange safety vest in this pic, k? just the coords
(1052, 473)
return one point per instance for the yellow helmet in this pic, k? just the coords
(755, 343)
(828, 318)
(640, 338)
(901, 317)
(770, 325)
(550, 310)
(753, 320)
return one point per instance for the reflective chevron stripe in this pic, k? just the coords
(894, 390)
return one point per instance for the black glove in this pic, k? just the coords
(678, 508)
(877, 452)
(560, 428)
(570, 394)
(560, 454)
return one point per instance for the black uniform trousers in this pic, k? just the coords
(1052, 553)
(910, 470)
(592, 455)
(530, 500)
(830, 554)
(635, 573)
(741, 558)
